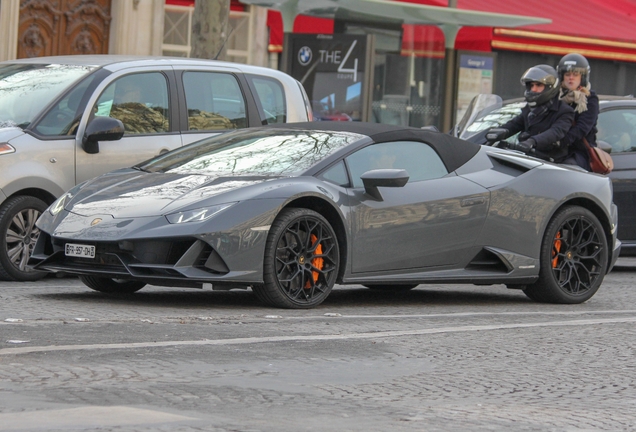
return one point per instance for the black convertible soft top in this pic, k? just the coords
(453, 151)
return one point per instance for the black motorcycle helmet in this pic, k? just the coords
(545, 75)
(577, 63)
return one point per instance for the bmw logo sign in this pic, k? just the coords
(304, 55)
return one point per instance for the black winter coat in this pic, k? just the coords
(585, 126)
(547, 129)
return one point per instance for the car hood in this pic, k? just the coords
(7, 133)
(131, 193)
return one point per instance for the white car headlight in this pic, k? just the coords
(197, 215)
(6, 148)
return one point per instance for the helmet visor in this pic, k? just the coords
(576, 69)
(535, 74)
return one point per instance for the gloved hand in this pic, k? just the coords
(526, 146)
(496, 134)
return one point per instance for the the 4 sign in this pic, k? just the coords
(332, 70)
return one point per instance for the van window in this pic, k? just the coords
(139, 100)
(64, 117)
(214, 101)
(270, 98)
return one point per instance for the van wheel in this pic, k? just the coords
(18, 235)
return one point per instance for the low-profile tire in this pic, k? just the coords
(112, 286)
(301, 260)
(395, 288)
(573, 260)
(18, 235)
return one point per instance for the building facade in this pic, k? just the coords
(409, 61)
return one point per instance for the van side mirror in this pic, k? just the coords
(101, 129)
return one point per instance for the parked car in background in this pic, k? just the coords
(616, 126)
(64, 120)
(323, 112)
(289, 210)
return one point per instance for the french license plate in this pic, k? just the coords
(79, 250)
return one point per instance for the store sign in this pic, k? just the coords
(331, 68)
(475, 77)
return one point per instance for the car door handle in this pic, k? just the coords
(472, 201)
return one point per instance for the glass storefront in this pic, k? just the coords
(408, 76)
(407, 90)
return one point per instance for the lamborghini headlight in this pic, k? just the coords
(59, 204)
(197, 215)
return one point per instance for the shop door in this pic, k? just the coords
(63, 27)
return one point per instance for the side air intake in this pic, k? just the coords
(488, 261)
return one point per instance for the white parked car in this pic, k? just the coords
(66, 119)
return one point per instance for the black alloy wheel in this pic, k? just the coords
(18, 235)
(574, 258)
(301, 260)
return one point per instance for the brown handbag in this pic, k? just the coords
(600, 161)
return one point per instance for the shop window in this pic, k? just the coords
(177, 33)
(407, 90)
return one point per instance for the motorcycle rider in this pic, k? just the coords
(576, 91)
(545, 119)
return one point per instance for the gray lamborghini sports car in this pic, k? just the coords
(291, 210)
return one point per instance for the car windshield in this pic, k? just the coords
(25, 89)
(261, 152)
(493, 118)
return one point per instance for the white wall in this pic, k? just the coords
(9, 20)
(137, 27)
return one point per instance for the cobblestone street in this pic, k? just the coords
(441, 357)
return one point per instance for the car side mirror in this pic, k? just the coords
(101, 129)
(383, 178)
(604, 146)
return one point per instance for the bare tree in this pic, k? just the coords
(210, 28)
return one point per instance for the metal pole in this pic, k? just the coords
(449, 90)
(450, 33)
(450, 64)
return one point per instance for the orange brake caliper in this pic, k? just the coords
(556, 250)
(316, 262)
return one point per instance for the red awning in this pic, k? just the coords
(422, 41)
(600, 19)
(276, 35)
(302, 24)
(595, 28)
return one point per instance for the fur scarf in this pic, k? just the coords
(577, 97)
